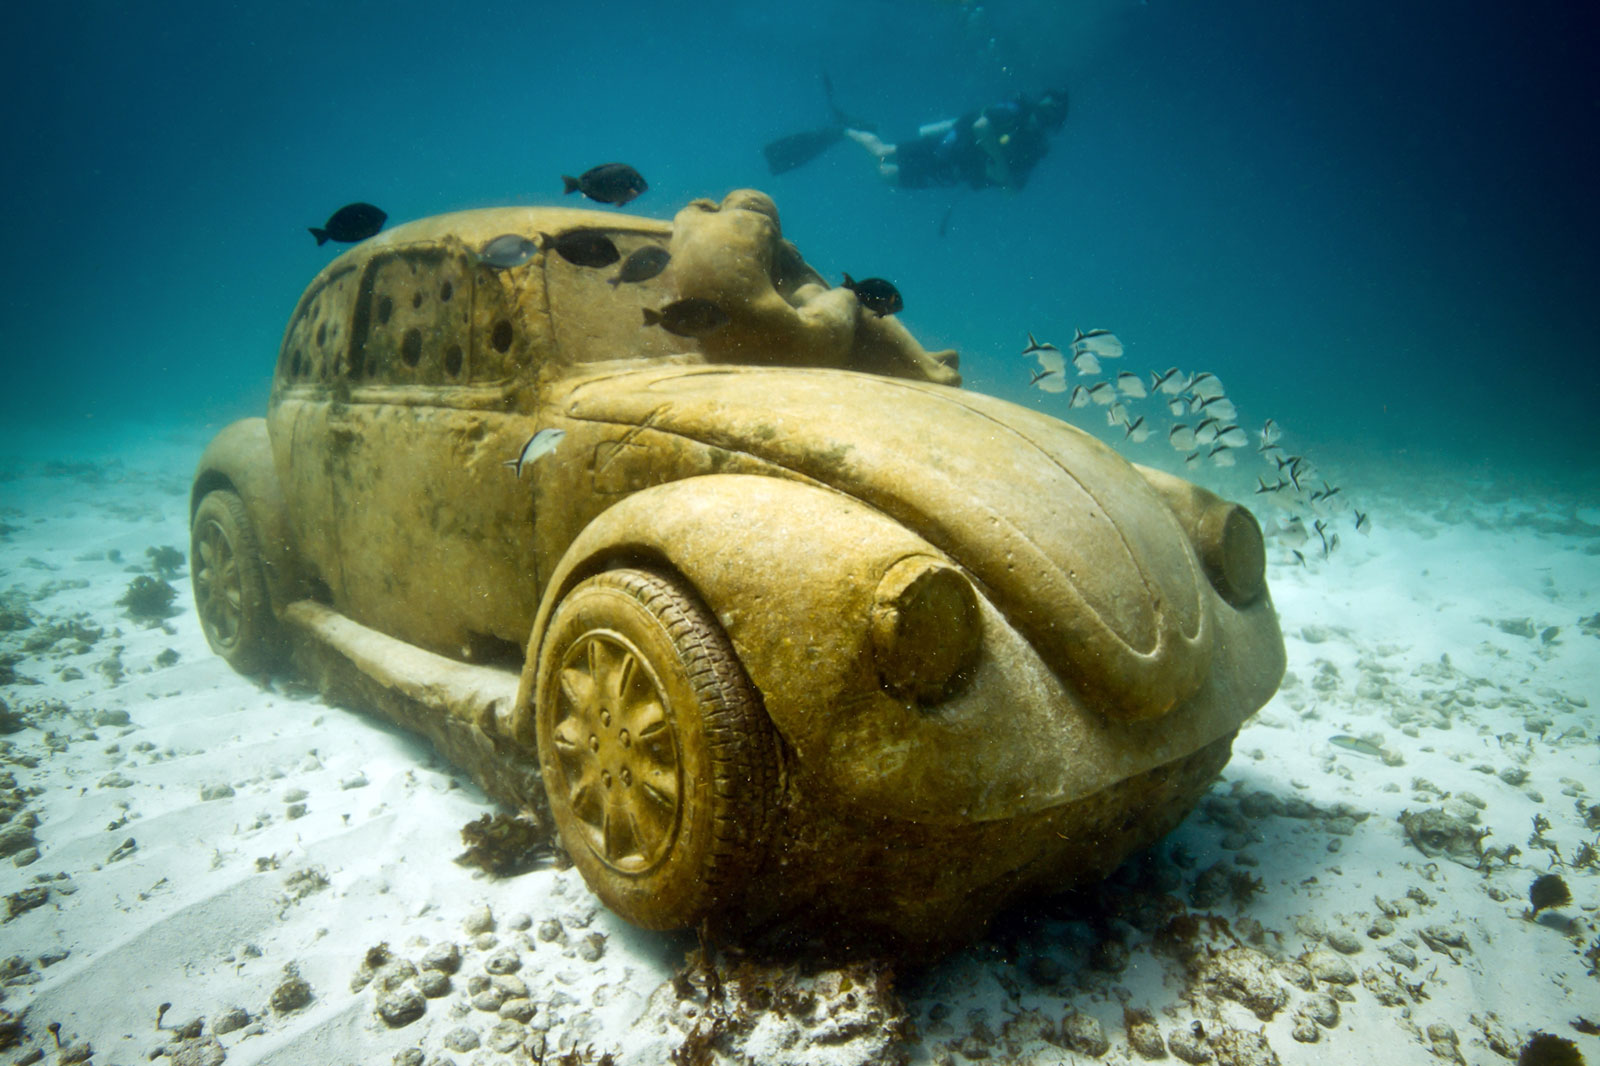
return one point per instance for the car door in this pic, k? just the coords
(426, 533)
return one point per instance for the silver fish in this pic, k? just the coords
(1049, 381)
(1363, 524)
(1038, 346)
(1171, 383)
(1079, 398)
(1117, 415)
(1206, 386)
(1232, 437)
(1220, 407)
(1086, 363)
(1137, 431)
(1101, 342)
(1206, 432)
(1220, 455)
(1130, 384)
(1103, 393)
(1181, 437)
(1050, 359)
(1291, 531)
(1270, 432)
(507, 250)
(541, 443)
(1177, 407)
(1359, 745)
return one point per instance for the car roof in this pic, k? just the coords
(477, 227)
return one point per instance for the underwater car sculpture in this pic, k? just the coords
(780, 627)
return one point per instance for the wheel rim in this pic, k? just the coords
(614, 745)
(218, 583)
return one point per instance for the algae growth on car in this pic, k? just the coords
(743, 607)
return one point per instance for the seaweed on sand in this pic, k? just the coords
(504, 844)
(1549, 890)
(149, 599)
(1543, 1049)
(166, 560)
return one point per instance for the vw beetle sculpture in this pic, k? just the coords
(785, 626)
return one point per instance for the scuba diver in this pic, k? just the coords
(996, 147)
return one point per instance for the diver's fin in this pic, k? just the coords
(839, 116)
(798, 149)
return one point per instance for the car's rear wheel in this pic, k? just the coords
(658, 758)
(230, 585)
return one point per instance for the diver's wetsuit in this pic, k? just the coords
(996, 147)
(955, 153)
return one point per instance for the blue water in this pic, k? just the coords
(1375, 221)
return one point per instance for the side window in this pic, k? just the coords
(509, 317)
(318, 337)
(411, 321)
(593, 320)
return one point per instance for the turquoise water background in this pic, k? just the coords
(1374, 220)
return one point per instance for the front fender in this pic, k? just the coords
(239, 459)
(789, 569)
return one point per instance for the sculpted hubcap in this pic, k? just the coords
(220, 586)
(614, 745)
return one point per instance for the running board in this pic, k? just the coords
(465, 710)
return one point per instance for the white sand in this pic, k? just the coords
(158, 895)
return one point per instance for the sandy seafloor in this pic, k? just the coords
(176, 833)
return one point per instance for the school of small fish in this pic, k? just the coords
(1204, 429)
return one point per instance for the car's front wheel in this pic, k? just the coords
(230, 585)
(659, 761)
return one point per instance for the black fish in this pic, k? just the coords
(351, 223)
(583, 247)
(689, 317)
(876, 295)
(508, 250)
(608, 183)
(644, 263)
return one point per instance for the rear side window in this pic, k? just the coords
(412, 319)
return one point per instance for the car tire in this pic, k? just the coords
(658, 758)
(230, 585)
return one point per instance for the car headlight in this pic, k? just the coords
(1232, 552)
(926, 629)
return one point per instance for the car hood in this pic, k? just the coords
(1069, 542)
